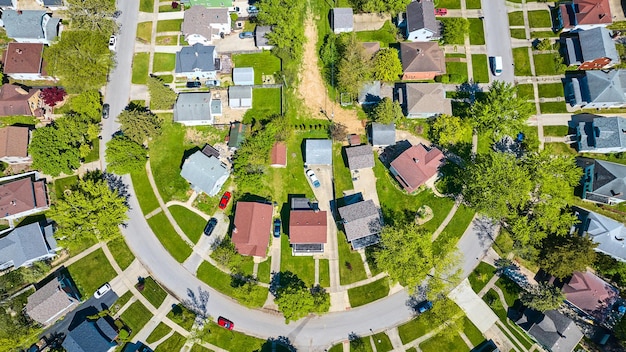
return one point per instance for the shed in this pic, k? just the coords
(243, 76)
(240, 97)
(278, 155)
(318, 152)
(383, 135)
(342, 19)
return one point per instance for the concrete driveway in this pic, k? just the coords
(233, 44)
(474, 307)
(364, 181)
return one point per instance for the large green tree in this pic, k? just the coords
(161, 96)
(139, 125)
(354, 68)
(387, 65)
(562, 255)
(447, 130)
(543, 297)
(380, 6)
(295, 300)
(454, 29)
(286, 18)
(81, 59)
(387, 111)
(87, 103)
(92, 15)
(52, 151)
(501, 109)
(124, 155)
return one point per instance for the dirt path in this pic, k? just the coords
(312, 89)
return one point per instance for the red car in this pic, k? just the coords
(441, 12)
(223, 322)
(224, 200)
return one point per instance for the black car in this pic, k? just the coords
(105, 111)
(194, 84)
(210, 226)
(277, 228)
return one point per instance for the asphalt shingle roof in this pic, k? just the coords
(195, 57)
(426, 98)
(360, 157)
(360, 219)
(260, 35)
(193, 107)
(421, 14)
(28, 24)
(607, 233)
(23, 244)
(603, 132)
(383, 135)
(343, 18)
(551, 329)
(596, 43)
(318, 152)
(206, 174)
(87, 337)
(422, 57)
(49, 302)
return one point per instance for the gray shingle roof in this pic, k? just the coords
(609, 179)
(6, 3)
(574, 52)
(597, 43)
(318, 152)
(28, 24)
(193, 107)
(23, 244)
(86, 337)
(605, 86)
(52, 2)
(260, 33)
(360, 219)
(240, 92)
(425, 98)
(421, 14)
(602, 133)
(243, 75)
(607, 233)
(343, 17)
(551, 329)
(49, 302)
(360, 157)
(195, 57)
(370, 93)
(383, 135)
(206, 174)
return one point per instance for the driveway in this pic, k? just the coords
(497, 37)
(364, 181)
(475, 242)
(474, 307)
(233, 44)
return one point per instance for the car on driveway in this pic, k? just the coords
(313, 178)
(105, 111)
(244, 35)
(224, 200)
(194, 84)
(102, 290)
(210, 226)
(223, 322)
(424, 306)
(277, 228)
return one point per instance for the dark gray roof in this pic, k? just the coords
(49, 302)
(260, 33)
(360, 157)
(597, 43)
(343, 17)
(300, 203)
(370, 93)
(318, 152)
(52, 2)
(574, 52)
(87, 337)
(383, 135)
(607, 233)
(195, 57)
(360, 219)
(609, 179)
(421, 14)
(602, 133)
(23, 244)
(598, 86)
(193, 107)
(204, 173)
(28, 24)
(551, 329)
(240, 92)
(6, 3)
(243, 75)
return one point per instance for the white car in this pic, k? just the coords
(314, 180)
(102, 290)
(112, 43)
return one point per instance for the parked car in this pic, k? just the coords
(212, 83)
(223, 322)
(313, 178)
(253, 10)
(210, 226)
(224, 200)
(496, 65)
(441, 12)
(102, 290)
(244, 35)
(424, 306)
(112, 43)
(277, 228)
(194, 84)
(235, 9)
(105, 111)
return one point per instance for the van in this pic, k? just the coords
(496, 65)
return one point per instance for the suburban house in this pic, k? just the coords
(360, 157)
(240, 97)
(278, 155)
(602, 181)
(205, 173)
(382, 135)
(243, 76)
(27, 244)
(30, 26)
(361, 223)
(602, 135)
(260, 37)
(423, 100)
(342, 20)
(421, 25)
(8, 4)
(252, 227)
(209, 3)
(591, 295)
(318, 152)
(307, 227)
(608, 234)
(551, 329)
(593, 89)
(53, 5)
(22, 195)
(194, 109)
(25, 61)
(592, 49)
(197, 62)
(14, 145)
(584, 14)
(91, 336)
(421, 61)
(14, 100)
(416, 166)
(237, 134)
(201, 25)
(52, 300)
(373, 92)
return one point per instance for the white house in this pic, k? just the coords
(202, 25)
(197, 62)
(421, 25)
(196, 108)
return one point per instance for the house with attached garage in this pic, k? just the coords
(416, 166)
(206, 174)
(602, 182)
(551, 329)
(27, 244)
(31, 26)
(318, 152)
(91, 336)
(307, 227)
(362, 223)
(421, 61)
(583, 14)
(602, 135)
(15, 100)
(609, 235)
(423, 100)
(202, 25)
(22, 195)
(595, 89)
(52, 300)
(197, 62)
(360, 157)
(260, 37)
(25, 61)
(252, 227)
(243, 76)
(342, 20)
(592, 49)
(240, 97)
(421, 25)
(382, 135)
(195, 109)
(14, 145)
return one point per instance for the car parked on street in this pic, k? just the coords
(244, 35)
(112, 43)
(224, 200)
(277, 228)
(105, 111)
(424, 306)
(102, 290)
(313, 178)
(210, 226)
(223, 322)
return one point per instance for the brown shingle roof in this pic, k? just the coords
(253, 223)
(360, 157)
(49, 302)
(23, 58)
(20, 195)
(590, 293)
(422, 57)
(197, 20)
(14, 100)
(426, 98)
(14, 141)
(278, 155)
(416, 165)
(307, 226)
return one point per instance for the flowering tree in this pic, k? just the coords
(52, 95)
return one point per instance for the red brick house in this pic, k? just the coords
(421, 61)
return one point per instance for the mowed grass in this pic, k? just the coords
(146, 5)
(169, 25)
(516, 18)
(169, 238)
(449, 4)
(480, 276)
(553, 107)
(518, 33)
(91, 272)
(557, 148)
(385, 35)
(526, 91)
(439, 343)
(457, 71)
(351, 267)
(382, 342)
(221, 281)
(476, 31)
(303, 266)
(459, 223)
(173, 343)
(550, 90)
(122, 254)
(163, 62)
(143, 191)
(472, 332)
(144, 32)
(153, 292)
(521, 61)
(158, 333)
(371, 292)
(539, 19)
(264, 63)
(558, 131)
(136, 316)
(413, 329)
(266, 102)
(141, 63)
(191, 223)
(472, 4)
(231, 340)
(480, 67)
(167, 40)
(545, 65)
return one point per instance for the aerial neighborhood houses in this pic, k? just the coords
(420, 22)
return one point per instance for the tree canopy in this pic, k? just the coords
(139, 125)
(295, 300)
(380, 6)
(87, 103)
(354, 68)
(387, 111)
(161, 96)
(543, 297)
(501, 109)
(286, 18)
(447, 130)
(562, 255)
(454, 29)
(387, 65)
(124, 155)
(92, 15)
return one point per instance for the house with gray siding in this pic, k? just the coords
(206, 174)
(602, 182)
(595, 89)
(197, 62)
(318, 152)
(421, 25)
(31, 26)
(592, 49)
(342, 20)
(196, 108)
(602, 135)
(27, 244)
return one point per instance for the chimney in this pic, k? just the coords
(19, 51)
(416, 160)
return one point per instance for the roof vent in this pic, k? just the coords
(19, 12)
(19, 51)
(234, 230)
(13, 202)
(416, 160)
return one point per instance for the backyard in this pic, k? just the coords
(266, 103)
(385, 35)
(264, 63)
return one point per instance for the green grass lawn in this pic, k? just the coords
(522, 61)
(153, 292)
(371, 292)
(555, 107)
(457, 71)
(169, 238)
(191, 223)
(136, 316)
(449, 4)
(141, 62)
(169, 25)
(167, 40)
(173, 343)
(168, 8)
(518, 33)
(476, 31)
(199, 348)
(362, 344)
(266, 102)
(545, 65)
(543, 34)
(264, 63)
(63, 184)
(324, 273)
(165, 79)
(231, 340)
(480, 66)
(120, 302)
(557, 148)
(472, 4)
(382, 342)
(485, 141)
(526, 90)
(516, 18)
(350, 264)
(493, 301)
(144, 32)
(122, 254)
(510, 289)
(480, 276)
(263, 272)
(91, 272)
(163, 62)
(146, 5)
(413, 329)
(221, 281)
(143, 191)
(385, 35)
(182, 316)
(472, 332)
(94, 153)
(158, 333)
(437, 344)
(343, 179)
(558, 131)
(303, 266)
(336, 348)
(539, 19)
(459, 223)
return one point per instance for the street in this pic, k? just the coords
(497, 37)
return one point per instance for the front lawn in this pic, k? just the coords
(120, 302)
(539, 19)
(143, 191)
(163, 62)
(413, 329)
(516, 18)
(518, 33)
(385, 35)
(457, 71)
(526, 91)
(169, 238)
(263, 63)
(303, 266)
(546, 65)
(557, 148)
(480, 67)
(153, 292)
(350, 264)
(324, 273)
(64, 184)
(182, 316)
(472, 4)
(263, 271)
(266, 102)
(158, 333)
(169, 25)
(480, 276)
(553, 107)
(141, 61)
(136, 316)
(146, 5)
(476, 31)
(173, 343)
(168, 8)
(448, 4)
(510, 289)
(167, 40)
(122, 254)
(439, 343)
(94, 153)
(382, 342)
(144, 32)
(221, 281)
(471, 331)
(459, 223)
(521, 61)
(558, 131)
(91, 272)
(191, 223)
(371, 292)
(231, 340)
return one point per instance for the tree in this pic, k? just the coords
(544, 44)
(501, 109)
(354, 67)
(294, 299)
(87, 103)
(454, 30)
(81, 59)
(387, 111)
(52, 151)
(447, 130)
(562, 255)
(92, 209)
(286, 18)
(380, 6)
(410, 257)
(92, 15)
(52, 95)
(543, 297)
(338, 131)
(139, 125)
(387, 65)
(161, 96)
(124, 156)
